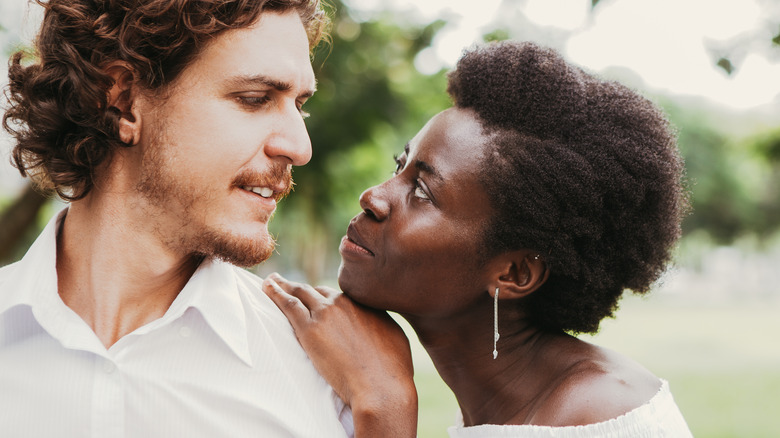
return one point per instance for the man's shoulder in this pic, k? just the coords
(250, 284)
(250, 288)
(7, 273)
(17, 286)
(246, 278)
(224, 273)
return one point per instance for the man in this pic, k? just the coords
(172, 127)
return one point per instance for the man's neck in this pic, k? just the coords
(112, 272)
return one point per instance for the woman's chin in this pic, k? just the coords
(345, 280)
(348, 285)
(354, 289)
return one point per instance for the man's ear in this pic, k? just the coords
(121, 99)
(519, 273)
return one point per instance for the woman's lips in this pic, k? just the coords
(352, 242)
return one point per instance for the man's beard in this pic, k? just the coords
(165, 193)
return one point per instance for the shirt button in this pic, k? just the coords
(185, 332)
(108, 366)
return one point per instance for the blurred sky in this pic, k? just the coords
(670, 44)
(663, 41)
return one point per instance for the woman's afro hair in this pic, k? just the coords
(584, 171)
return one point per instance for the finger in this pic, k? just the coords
(290, 286)
(295, 311)
(328, 292)
(310, 297)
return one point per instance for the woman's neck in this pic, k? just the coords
(489, 391)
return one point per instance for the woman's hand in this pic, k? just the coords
(361, 352)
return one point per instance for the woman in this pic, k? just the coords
(514, 219)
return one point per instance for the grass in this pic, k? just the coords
(722, 362)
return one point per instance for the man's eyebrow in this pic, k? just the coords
(279, 85)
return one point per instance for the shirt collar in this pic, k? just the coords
(33, 279)
(212, 290)
(32, 282)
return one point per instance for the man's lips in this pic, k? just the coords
(274, 183)
(354, 238)
(265, 192)
(276, 193)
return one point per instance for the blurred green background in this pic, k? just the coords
(710, 325)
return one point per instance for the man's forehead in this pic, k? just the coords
(273, 51)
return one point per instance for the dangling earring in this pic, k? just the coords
(495, 324)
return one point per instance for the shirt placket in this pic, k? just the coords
(108, 413)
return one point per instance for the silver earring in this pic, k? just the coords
(536, 257)
(495, 324)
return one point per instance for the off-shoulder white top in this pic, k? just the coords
(658, 418)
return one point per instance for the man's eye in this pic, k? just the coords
(253, 101)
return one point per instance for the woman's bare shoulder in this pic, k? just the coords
(602, 385)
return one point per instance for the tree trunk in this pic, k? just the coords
(16, 219)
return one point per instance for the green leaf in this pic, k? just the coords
(726, 65)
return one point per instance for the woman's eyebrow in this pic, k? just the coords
(425, 167)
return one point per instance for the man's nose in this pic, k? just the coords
(290, 139)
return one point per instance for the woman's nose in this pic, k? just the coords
(374, 202)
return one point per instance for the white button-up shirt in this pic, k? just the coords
(222, 362)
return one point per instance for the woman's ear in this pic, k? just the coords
(519, 273)
(121, 99)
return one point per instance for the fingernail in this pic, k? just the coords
(274, 284)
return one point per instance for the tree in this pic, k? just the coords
(370, 101)
(734, 181)
(728, 55)
(16, 222)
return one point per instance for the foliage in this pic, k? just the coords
(370, 101)
(724, 377)
(734, 181)
(728, 54)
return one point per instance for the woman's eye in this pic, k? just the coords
(419, 192)
(399, 165)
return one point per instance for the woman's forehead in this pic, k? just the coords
(452, 136)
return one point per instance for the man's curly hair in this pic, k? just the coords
(58, 107)
(582, 170)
